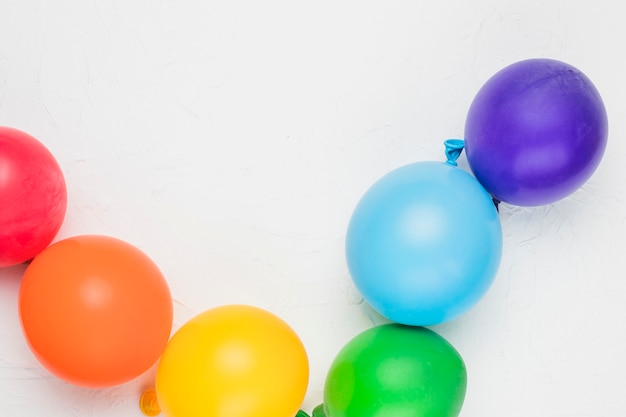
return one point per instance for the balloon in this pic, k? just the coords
(535, 132)
(395, 370)
(33, 196)
(95, 310)
(424, 243)
(233, 361)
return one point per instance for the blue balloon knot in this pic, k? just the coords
(454, 147)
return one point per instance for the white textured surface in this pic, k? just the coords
(230, 141)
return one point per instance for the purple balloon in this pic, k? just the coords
(535, 132)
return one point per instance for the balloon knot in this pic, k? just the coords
(496, 203)
(148, 403)
(454, 147)
(319, 411)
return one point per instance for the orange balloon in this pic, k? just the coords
(231, 361)
(96, 311)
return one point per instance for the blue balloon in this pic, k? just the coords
(424, 243)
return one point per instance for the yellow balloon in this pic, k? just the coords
(233, 361)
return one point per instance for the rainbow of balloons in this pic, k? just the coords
(423, 246)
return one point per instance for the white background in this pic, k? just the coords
(231, 140)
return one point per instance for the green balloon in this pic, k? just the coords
(394, 370)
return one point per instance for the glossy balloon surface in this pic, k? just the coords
(395, 370)
(233, 361)
(424, 243)
(33, 197)
(535, 132)
(95, 310)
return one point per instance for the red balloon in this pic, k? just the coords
(33, 197)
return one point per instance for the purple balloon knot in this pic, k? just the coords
(454, 147)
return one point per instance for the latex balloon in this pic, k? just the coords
(96, 311)
(395, 370)
(33, 196)
(424, 243)
(233, 361)
(535, 132)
